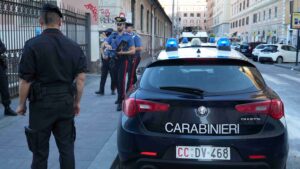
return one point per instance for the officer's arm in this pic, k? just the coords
(138, 49)
(24, 87)
(80, 79)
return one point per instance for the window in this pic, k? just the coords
(276, 11)
(291, 48)
(244, 4)
(148, 17)
(240, 6)
(255, 18)
(240, 23)
(243, 22)
(264, 15)
(204, 77)
(259, 17)
(247, 3)
(198, 15)
(192, 15)
(185, 15)
(142, 17)
(285, 48)
(270, 12)
(247, 20)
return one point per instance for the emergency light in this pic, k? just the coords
(224, 44)
(171, 44)
(185, 40)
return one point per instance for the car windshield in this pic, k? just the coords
(207, 78)
(271, 48)
(260, 46)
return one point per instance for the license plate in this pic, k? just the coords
(244, 50)
(203, 153)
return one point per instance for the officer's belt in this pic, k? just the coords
(55, 90)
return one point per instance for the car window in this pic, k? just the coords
(209, 78)
(291, 48)
(260, 46)
(286, 48)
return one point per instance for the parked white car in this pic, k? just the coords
(278, 53)
(257, 50)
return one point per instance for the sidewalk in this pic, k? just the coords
(290, 66)
(95, 146)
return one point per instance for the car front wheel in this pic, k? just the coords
(279, 60)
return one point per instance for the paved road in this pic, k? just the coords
(287, 84)
(95, 126)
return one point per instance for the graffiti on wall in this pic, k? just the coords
(93, 9)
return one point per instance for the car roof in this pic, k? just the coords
(205, 52)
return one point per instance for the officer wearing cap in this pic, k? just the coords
(51, 68)
(123, 45)
(106, 66)
(136, 58)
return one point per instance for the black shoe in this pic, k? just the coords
(9, 112)
(119, 107)
(99, 93)
(117, 102)
(113, 92)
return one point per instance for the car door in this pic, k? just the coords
(292, 53)
(285, 53)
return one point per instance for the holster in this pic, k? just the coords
(32, 137)
(35, 92)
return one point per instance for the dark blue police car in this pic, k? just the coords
(202, 107)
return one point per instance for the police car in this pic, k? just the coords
(203, 106)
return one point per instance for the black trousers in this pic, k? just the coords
(52, 114)
(4, 87)
(132, 77)
(105, 69)
(122, 66)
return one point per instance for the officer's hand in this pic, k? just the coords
(121, 53)
(76, 109)
(21, 110)
(108, 47)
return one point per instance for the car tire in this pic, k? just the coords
(279, 60)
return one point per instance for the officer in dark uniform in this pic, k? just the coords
(136, 58)
(4, 83)
(106, 66)
(123, 45)
(52, 76)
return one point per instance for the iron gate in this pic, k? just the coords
(19, 21)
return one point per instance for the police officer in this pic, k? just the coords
(124, 47)
(4, 83)
(49, 65)
(106, 67)
(136, 58)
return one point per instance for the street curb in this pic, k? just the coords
(107, 155)
(288, 67)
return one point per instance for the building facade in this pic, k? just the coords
(209, 15)
(258, 20)
(221, 17)
(190, 15)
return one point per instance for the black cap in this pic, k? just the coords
(52, 8)
(129, 24)
(120, 19)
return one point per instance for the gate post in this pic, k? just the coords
(88, 39)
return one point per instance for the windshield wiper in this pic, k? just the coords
(188, 90)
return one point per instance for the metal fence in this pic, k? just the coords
(19, 21)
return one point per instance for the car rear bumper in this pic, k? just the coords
(266, 59)
(131, 144)
(168, 164)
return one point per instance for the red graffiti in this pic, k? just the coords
(93, 9)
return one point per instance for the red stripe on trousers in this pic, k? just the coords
(124, 79)
(132, 74)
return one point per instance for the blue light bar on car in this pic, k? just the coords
(171, 45)
(224, 44)
(185, 40)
